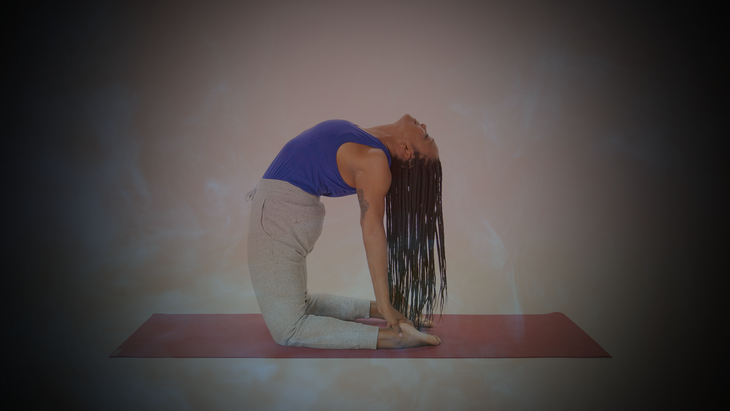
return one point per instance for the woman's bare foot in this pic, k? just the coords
(387, 338)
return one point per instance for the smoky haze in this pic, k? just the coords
(578, 145)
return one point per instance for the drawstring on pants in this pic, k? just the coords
(250, 194)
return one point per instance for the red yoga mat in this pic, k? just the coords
(462, 336)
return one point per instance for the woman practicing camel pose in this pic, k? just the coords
(395, 171)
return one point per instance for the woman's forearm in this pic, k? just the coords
(376, 251)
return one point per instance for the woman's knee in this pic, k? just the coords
(281, 338)
(283, 333)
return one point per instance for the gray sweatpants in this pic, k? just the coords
(285, 222)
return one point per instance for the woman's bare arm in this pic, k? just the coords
(372, 182)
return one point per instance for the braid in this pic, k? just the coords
(414, 225)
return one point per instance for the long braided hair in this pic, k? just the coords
(414, 225)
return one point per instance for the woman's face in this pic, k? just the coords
(415, 134)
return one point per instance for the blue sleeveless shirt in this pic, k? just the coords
(309, 160)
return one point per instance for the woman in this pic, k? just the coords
(392, 168)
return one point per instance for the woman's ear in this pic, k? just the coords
(406, 151)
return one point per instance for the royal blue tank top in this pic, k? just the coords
(309, 160)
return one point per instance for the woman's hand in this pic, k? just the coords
(393, 317)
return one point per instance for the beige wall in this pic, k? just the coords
(571, 184)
